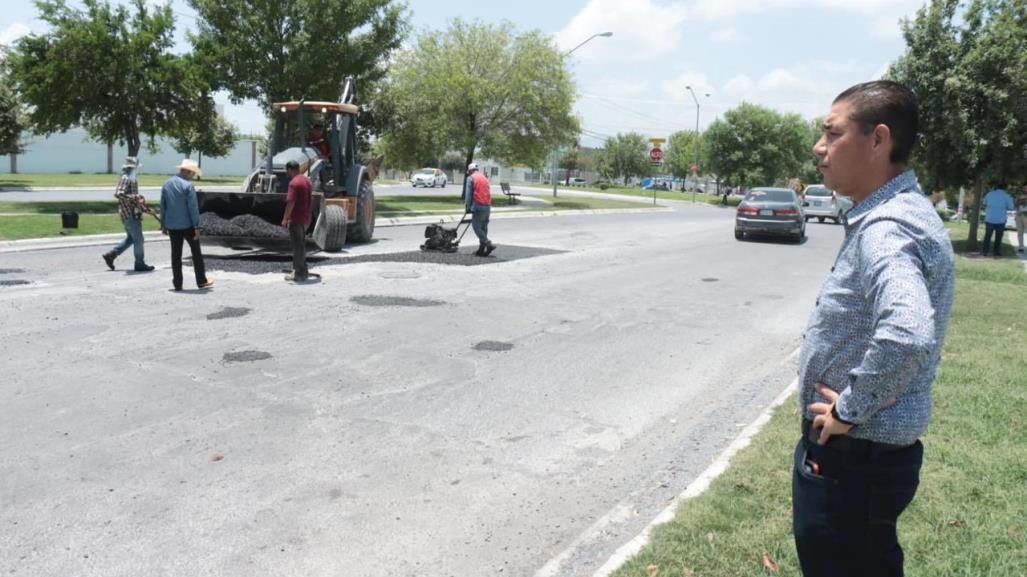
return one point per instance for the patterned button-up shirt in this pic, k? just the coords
(127, 194)
(876, 333)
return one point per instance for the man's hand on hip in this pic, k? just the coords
(825, 420)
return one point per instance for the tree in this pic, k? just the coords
(753, 145)
(969, 72)
(625, 156)
(12, 123)
(279, 50)
(809, 171)
(108, 69)
(569, 162)
(680, 153)
(478, 88)
(214, 138)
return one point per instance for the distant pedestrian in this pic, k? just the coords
(478, 200)
(297, 219)
(131, 208)
(180, 210)
(1021, 217)
(996, 203)
(872, 344)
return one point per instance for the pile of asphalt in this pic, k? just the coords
(246, 225)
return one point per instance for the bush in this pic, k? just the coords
(604, 185)
(945, 214)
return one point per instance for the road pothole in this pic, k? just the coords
(493, 346)
(11, 270)
(710, 279)
(228, 313)
(386, 301)
(14, 282)
(245, 356)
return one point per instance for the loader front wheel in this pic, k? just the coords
(362, 229)
(335, 221)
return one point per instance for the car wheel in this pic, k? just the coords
(806, 219)
(739, 235)
(820, 219)
(838, 218)
(443, 183)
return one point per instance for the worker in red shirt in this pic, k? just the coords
(297, 219)
(478, 199)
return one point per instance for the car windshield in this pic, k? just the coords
(772, 195)
(426, 171)
(817, 191)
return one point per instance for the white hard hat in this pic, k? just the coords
(472, 167)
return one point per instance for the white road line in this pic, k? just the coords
(694, 489)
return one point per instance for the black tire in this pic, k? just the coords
(739, 235)
(362, 229)
(806, 219)
(335, 221)
(821, 219)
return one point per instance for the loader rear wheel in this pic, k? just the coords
(335, 221)
(362, 229)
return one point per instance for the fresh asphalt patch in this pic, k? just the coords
(14, 282)
(11, 270)
(245, 356)
(228, 313)
(464, 257)
(258, 264)
(497, 346)
(387, 301)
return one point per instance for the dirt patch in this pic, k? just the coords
(493, 346)
(228, 313)
(245, 356)
(386, 301)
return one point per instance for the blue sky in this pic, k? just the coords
(790, 55)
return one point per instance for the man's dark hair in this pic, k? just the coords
(891, 104)
(292, 165)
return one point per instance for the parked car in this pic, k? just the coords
(1011, 220)
(577, 181)
(429, 177)
(823, 203)
(775, 211)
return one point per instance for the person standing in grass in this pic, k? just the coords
(872, 344)
(131, 208)
(996, 203)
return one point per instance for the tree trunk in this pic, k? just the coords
(974, 218)
(14, 163)
(469, 160)
(110, 158)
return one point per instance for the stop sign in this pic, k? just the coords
(656, 155)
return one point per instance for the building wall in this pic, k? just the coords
(73, 151)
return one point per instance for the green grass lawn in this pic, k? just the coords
(8, 180)
(394, 206)
(970, 515)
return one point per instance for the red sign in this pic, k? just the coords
(656, 155)
(695, 169)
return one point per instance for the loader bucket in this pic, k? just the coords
(249, 219)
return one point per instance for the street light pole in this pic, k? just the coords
(556, 149)
(695, 175)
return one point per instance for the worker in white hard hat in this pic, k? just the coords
(478, 200)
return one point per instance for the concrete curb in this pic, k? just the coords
(697, 487)
(34, 244)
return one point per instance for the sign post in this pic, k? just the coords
(656, 157)
(695, 180)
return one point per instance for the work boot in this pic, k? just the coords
(108, 257)
(489, 248)
(144, 268)
(480, 251)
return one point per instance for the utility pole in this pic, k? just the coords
(556, 149)
(695, 173)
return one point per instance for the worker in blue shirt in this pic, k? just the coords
(996, 203)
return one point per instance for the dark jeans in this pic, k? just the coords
(297, 235)
(480, 222)
(997, 230)
(845, 517)
(187, 235)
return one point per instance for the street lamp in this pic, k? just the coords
(552, 171)
(696, 163)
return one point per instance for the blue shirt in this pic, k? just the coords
(996, 203)
(178, 206)
(880, 320)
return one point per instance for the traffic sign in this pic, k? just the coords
(656, 155)
(695, 169)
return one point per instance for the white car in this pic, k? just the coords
(429, 177)
(822, 203)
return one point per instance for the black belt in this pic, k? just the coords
(848, 444)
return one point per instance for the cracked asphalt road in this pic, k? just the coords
(481, 436)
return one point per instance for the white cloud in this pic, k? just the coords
(804, 88)
(887, 27)
(726, 9)
(12, 33)
(728, 35)
(642, 30)
(739, 86)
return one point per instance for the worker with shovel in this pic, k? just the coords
(131, 207)
(478, 199)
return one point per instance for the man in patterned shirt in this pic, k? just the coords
(873, 342)
(131, 208)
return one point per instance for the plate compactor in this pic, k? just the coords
(442, 239)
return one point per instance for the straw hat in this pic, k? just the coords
(131, 162)
(191, 166)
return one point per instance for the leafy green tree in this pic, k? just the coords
(625, 156)
(569, 162)
(809, 171)
(214, 138)
(109, 69)
(12, 123)
(280, 50)
(680, 154)
(969, 71)
(753, 145)
(478, 88)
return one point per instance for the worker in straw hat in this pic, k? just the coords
(131, 208)
(180, 208)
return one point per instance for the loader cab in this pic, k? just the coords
(321, 137)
